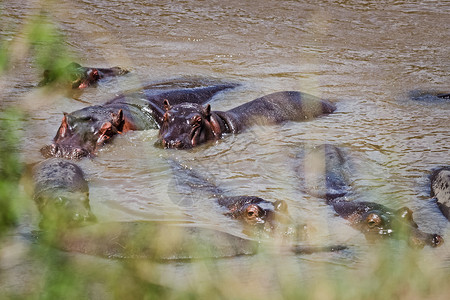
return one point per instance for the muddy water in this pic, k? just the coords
(364, 56)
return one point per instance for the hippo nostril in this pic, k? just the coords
(54, 149)
(170, 144)
(437, 240)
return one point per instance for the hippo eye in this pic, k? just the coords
(252, 211)
(373, 220)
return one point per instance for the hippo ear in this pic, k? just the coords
(118, 119)
(281, 205)
(64, 128)
(207, 110)
(406, 214)
(166, 105)
(373, 220)
(106, 132)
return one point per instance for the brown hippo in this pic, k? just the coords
(62, 194)
(253, 212)
(188, 125)
(84, 131)
(80, 77)
(330, 180)
(440, 189)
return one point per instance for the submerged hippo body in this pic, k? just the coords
(188, 125)
(84, 131)
(152, 240)
(162, 241)
(372, 219)
(80, 77)
(440, 189)
(62, 194)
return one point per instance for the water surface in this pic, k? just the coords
(365, 56)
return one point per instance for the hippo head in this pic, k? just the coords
(187, 125)
(87, 78)
(261, 214)
(74, 74)
(64, 209)
(82, 132)
(80, 77)
(377, 221)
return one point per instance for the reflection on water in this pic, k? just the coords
(364, 56)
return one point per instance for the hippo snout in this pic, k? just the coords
(175, 143)
(55, 150)
(79, 218)
(420, 239)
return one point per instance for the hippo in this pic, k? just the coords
(61, 193)
(255, 213)
(188, 125)
(79, 77)
(440, 189)
(429, 96)
(330, 181)
(83, 132)
(62, 196)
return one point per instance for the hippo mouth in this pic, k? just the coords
(68, 152)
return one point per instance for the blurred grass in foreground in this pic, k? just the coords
(10, 170)
(387, 271)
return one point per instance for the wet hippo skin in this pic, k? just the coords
(61, 194)
(84, 131)
(330, 181)
(79, 77)
(188, 125)
(440, 189)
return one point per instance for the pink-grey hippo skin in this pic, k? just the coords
(83, 132)
(257, 215)
(79, 77)
(61, 194)
(375, 221)
(188, 125)
(440, 189)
